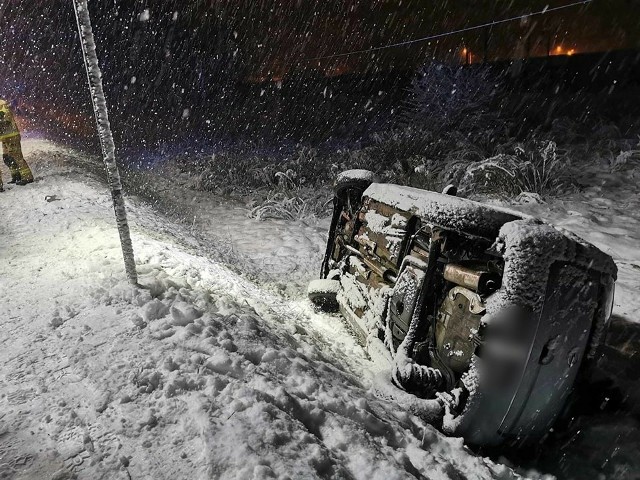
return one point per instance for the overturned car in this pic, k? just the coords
(487, 312)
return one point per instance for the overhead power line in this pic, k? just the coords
(544, 11)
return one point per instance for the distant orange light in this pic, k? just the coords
(571, 52)
(558, 49)
(464, 51)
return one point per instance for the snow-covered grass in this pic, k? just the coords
(274, 186)
(481, 161)
(455, 127)
(197, 373)
(541, 170)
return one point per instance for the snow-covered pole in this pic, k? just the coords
(94, 76)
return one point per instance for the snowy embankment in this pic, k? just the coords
(198, 374)
(607, 214)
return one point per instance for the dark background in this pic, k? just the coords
(200, 73)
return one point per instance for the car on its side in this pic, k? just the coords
(487, 311)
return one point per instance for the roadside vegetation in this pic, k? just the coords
(454, 127)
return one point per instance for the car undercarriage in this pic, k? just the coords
(493, 311)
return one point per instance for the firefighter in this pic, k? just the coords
(11, 148)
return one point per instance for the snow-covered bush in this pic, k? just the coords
(283, 206)
(626, 159)
(538, 168)
(413, 156)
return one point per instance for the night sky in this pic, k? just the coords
(182, 54)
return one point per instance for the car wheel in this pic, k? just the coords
(350, 184)
(323, 294)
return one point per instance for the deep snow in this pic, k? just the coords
(201, 373)
(218, 367)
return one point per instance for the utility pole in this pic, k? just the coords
(94, 76)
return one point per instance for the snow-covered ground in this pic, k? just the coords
(278, 253)
(606, 213)
(200, 373)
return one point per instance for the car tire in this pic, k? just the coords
(356, 181)
(323, 294)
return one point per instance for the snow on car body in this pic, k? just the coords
(458, 296)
